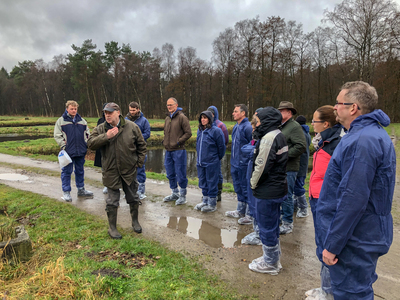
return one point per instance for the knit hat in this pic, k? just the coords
(301, 120)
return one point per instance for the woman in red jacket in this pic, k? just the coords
(328, 134)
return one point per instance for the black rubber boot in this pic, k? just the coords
(112, 222)
(135, 214)
(219, 192)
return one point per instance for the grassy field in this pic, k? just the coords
(73, 258)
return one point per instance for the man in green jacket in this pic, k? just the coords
(297, 145)
(123, 150)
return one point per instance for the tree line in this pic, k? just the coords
(256, 62)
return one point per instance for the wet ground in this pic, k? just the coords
(212, 238)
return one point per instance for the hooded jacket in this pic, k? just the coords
(241, 135)
(120, 155)
(220, 124)
(354, 207)
(268, 180)
(296, 142)
(72, 133)
(330, 138)
(210, 145)
(142, 122)
(176, 131)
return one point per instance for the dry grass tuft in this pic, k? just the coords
(50, 283)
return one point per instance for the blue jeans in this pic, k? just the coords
(299, 189)
(175, 165)
(78, 162)
(287, 205)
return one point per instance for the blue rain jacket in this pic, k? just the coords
(143, 124)
(354, 208)
(241, 135)
(210, 146)
(220, 124)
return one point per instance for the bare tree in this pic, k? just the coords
(364, 25)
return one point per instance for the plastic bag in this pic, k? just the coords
(64, 159)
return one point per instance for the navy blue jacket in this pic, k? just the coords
(72, 133)
(241, 135)
(354, 206)
(143, 124)
(210, 146)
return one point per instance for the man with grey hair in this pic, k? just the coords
(353, 214)
(176, 132)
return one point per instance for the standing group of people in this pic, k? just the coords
(350, 190)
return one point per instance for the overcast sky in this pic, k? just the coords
(34, 29)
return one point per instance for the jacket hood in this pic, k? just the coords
(208, 114)
(216, 114)
(306, 128)
(270, 119)
(377, 115)
(178, 109)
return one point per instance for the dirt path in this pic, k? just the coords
(214, 238)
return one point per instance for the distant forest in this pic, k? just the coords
(258, 63)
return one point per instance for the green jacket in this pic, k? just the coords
(296, 142)
(121, 155)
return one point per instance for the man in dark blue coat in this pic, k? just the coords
(135, 115)
(354, 208)
(241, 135)
(71, 134)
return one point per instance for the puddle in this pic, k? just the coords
(204, 231)
(13, 177)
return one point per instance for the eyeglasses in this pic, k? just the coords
(348, 103)
(313, 122)
(343, 103)
(171, 104)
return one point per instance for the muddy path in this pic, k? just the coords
(212, 238)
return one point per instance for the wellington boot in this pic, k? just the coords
(134, 208)
(112, 212)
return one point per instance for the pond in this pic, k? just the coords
(155, 163)
(20, 137)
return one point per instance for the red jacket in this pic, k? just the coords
(330, 139)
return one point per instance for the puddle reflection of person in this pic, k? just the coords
(210, 235)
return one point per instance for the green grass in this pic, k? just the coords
(70, 244)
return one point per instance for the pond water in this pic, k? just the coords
(20, 137)
(155, 163)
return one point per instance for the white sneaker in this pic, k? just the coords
(142, 196)
(105, 190)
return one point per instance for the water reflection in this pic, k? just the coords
(155, 163)
(204, 231)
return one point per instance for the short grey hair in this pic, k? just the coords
(172, 98)
(363, 94)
